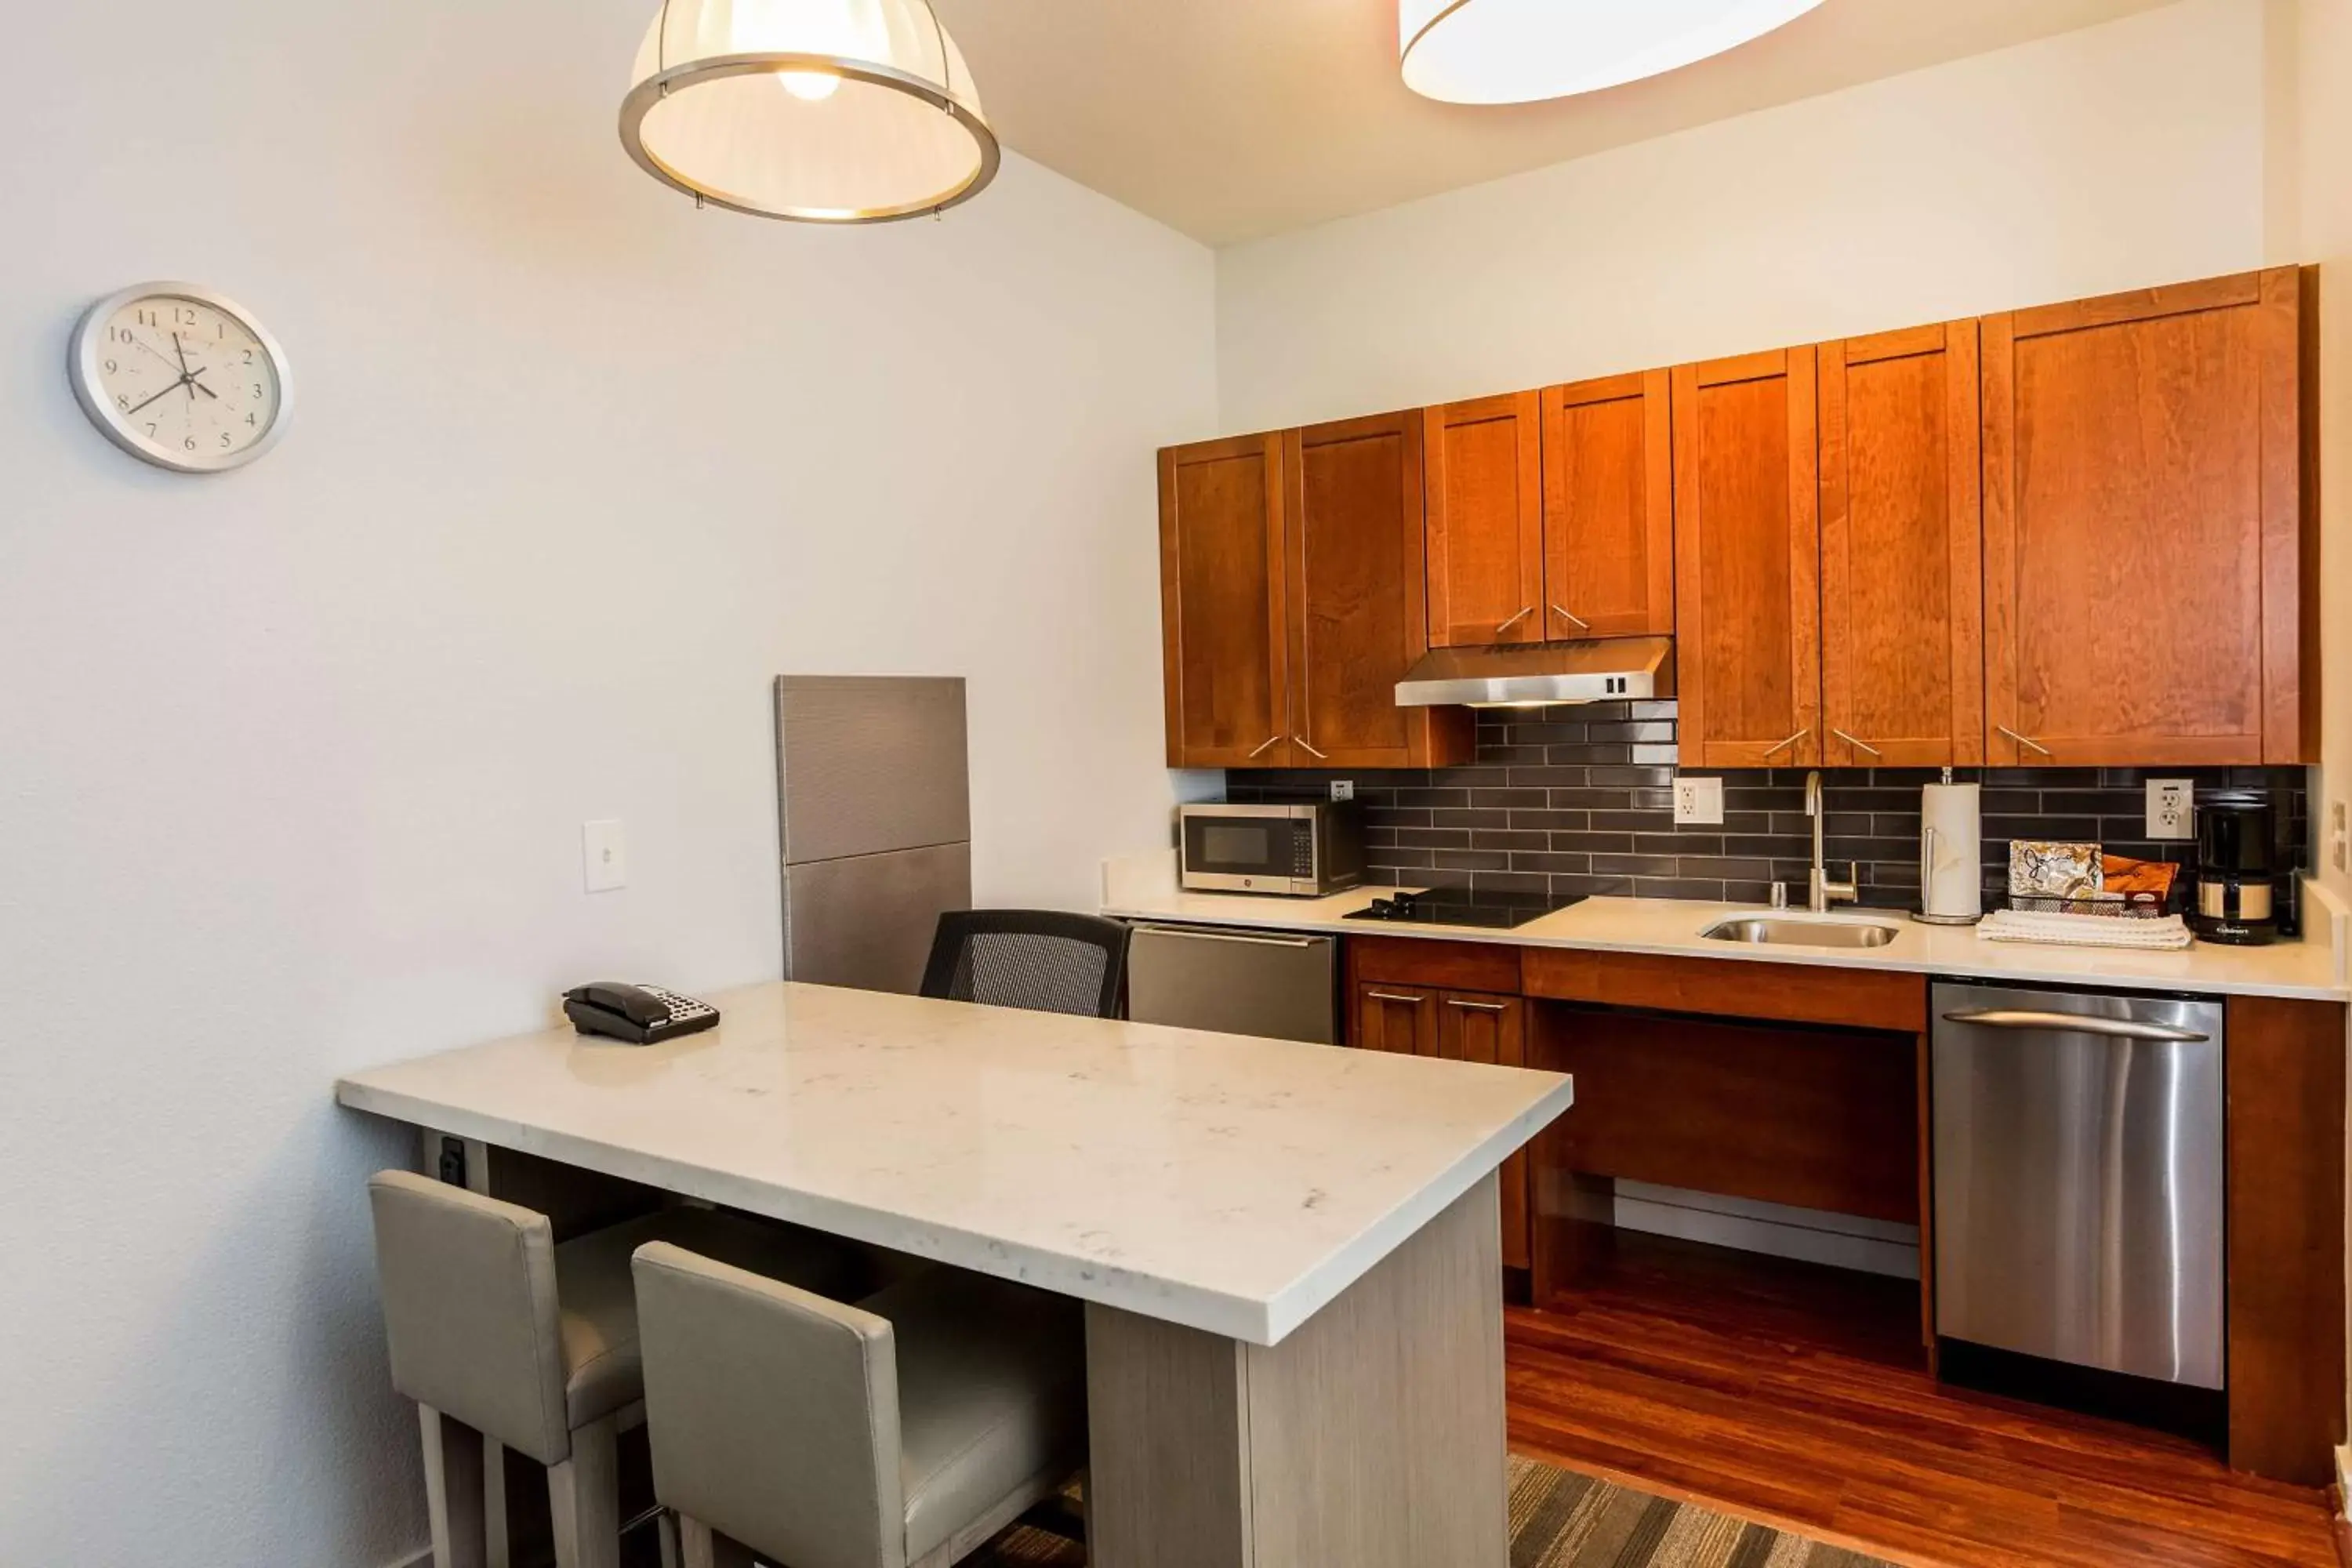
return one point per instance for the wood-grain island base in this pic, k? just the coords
(1372, 1437)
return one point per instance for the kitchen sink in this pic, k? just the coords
(1785, 931)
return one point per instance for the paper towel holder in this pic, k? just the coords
(1928, 841)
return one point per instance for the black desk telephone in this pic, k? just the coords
(641, 1015)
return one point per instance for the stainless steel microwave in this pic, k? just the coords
(1302, 850)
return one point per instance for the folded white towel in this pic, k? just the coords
(2167, 934)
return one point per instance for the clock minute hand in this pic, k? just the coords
(151, 397)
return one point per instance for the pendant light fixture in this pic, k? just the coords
(818, 111)
(1516, 51)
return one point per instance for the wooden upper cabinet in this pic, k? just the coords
(1355, 570)
(1484, 498)
(1223, 608)
(2144, 538)
(1608, 507)
(1902, 593)
(1746, 561)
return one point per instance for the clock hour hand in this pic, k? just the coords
(200, 386)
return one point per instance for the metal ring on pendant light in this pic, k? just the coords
(897, 134)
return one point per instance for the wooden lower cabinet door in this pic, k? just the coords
(1474, 1027)
(1484, 498)
(2145, 531)
(1608, 507)
(1747, 546)
(1400, 1019)
(1902, 550)
(1355, 566)
(1224, 610)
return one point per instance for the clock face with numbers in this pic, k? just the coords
(180, 376)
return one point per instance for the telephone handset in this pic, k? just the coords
(641, 1015)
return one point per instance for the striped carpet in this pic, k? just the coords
(1561, 1520)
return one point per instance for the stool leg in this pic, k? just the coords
(453, 1491)
(494, 1504)
(694, 1544)
(666, 1524)
(583, 1493)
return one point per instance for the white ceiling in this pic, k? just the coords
(1235, 119)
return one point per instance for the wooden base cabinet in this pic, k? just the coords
(1459, 1001)
(1224, 606)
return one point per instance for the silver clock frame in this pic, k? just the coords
(85, 353)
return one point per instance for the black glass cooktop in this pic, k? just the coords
(1461, 907)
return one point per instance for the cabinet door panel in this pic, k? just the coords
(1398, 1018)
(1356, 574)
(1608, 538)
(1474, 1027)
(1747, 561)
(2143, 528)
(1222, 603)
(1485, 520)
(1902, 593)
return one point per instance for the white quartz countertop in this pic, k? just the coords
(2306, 968)
(1228, 1183)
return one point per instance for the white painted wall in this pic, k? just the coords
(2117, 156)
(293, 762)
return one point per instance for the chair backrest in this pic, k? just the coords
(772, 1413)
(470, 1309)
(1048, 960)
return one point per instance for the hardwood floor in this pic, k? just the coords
(1800, 1398)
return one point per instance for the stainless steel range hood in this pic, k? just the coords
(1603, 669)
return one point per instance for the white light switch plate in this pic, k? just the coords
(2172, 808)
(1699, 803)
(1343, 789)
(604, 856)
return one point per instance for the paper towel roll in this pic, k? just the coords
(1951, 882)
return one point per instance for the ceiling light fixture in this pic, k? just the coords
(819, 110)
(1518, 51)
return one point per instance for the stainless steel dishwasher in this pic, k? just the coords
(2078, 1178)
(1235, 981)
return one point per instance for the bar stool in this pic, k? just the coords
(499, 1333)
(902, 1432)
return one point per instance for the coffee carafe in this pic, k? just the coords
(2237, 872)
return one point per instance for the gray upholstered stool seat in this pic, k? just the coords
(905, 1430)
(534, 1345)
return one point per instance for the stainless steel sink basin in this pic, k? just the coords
(1784, 931)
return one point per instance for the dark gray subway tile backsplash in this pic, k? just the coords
(1579, 800)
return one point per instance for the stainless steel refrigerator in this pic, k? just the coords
(875, 811)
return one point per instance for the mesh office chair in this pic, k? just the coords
(1047, 960)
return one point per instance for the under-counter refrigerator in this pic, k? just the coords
(874, 823)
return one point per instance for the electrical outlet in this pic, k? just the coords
(2172, 808)
(604, 856)
(1343, 789)
(2337, 849)
(1699, 803)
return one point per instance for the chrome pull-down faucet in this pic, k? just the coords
(1820, 891)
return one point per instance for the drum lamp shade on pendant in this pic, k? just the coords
(1520, 52)
(816, 110)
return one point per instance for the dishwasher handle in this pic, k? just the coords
(1196, 933)
(2077, 1022)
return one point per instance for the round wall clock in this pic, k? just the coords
(180, 376)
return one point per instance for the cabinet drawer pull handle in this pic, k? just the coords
(1514, 621)
(2026, 741)
(1775, 751)
(1475, 1007)
(1579, 622)
(1395, 996)
(1857, 745)
(1271, 741)
(1301, 742)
